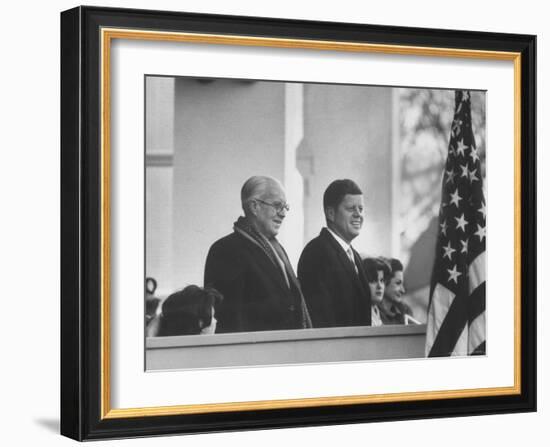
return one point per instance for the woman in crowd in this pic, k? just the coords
(187, 312)
(377, 273)
(392, 308)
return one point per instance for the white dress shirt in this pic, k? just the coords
(376, 319)
(346, 247)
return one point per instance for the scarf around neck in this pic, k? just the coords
(246, 229)
(276, 254)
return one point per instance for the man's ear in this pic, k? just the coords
(253, 207)
(329, 213)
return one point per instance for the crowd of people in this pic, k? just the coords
(250, 285)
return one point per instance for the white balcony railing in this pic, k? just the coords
(285, 347)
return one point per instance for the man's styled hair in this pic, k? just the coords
(337, 190)
(254, 187)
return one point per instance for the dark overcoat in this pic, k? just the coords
(335, 294)
(256, 296)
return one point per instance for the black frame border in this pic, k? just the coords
(81, 223)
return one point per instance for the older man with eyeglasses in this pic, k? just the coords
(251, 268)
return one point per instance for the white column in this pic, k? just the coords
(292, 234)
(159, 152)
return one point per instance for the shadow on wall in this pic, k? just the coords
(51, 425)
(417, 276)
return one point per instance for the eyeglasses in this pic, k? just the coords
(277, 206)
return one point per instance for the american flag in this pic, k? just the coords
(456, 313)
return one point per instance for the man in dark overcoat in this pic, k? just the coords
(330, 270)
(250, 268)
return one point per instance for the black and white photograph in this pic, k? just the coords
(290, 222)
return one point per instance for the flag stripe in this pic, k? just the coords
(476, 271)
(461, 311)
(461, 345)
(451, 328)
(436, 314)
(476, 303)
(480, 350)
(476, 333)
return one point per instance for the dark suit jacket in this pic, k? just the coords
(256, 295)
(335, 294)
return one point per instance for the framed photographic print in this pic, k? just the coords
(273, 223)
